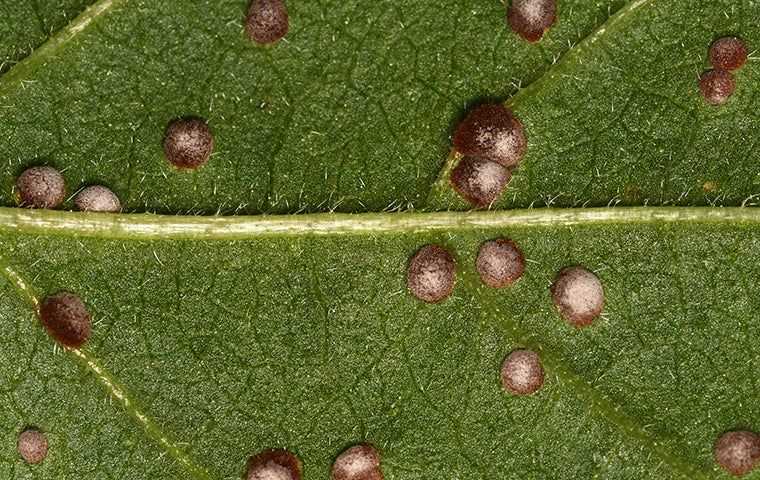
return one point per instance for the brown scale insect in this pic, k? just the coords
(431, 274)
(481, 182)
(66, 319)
(40, 187)
(491, 132)
(276, 464)
(522, 372)
(500, 263)
(728, 53)
(360, 462)
(532, 18)
(267, 21)
(188, 143)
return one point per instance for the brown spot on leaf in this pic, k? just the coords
(274, 465)
(479, 181)
(717, 86)
(493, 133)
(500, 263)
(737, 452)
(66, 319)
(522, 372)
(267, 21)
(532, 18)
(360, 462)
(710, 186)
(728, 53)
(97, 198)
(188, 143)
(32, 445)
(578, 295)
(40, 187)
(431, 274)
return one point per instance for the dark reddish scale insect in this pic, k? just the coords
(522, 372)
(728, 53)
(32, 445)
(40, 187)
(274, 465)
(431, 274)
(188, 143)
(493, 133)
(717, 86)
(500, 263)
(532, 18)
(737, 452)
(479, 181)
(360, 462)
(578, 295)
(267, 21)
(66, 319)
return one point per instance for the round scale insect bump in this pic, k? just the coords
(97, 198)
(360, 462)
(481, 182)
(522, 372)
(431, 274)
(32, 445)
(267, 21)
(578, 295)
(717, 86)
(532, 18)
(491, 132)
(737, 452)
(728, 53)
(500, 263)
(40, 187)
(188, 143)
(274, 465)
(66, 319)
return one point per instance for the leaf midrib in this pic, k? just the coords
(173, 227)
(106, 226)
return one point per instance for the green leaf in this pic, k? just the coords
(26, 25)
(620, 120)
(222, 337)
(217, 337)
(351, 112)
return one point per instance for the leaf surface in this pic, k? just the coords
(26, 25)
(351, 112)
(216, 337)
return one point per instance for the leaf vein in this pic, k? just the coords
(111, 385)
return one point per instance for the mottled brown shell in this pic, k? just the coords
(40, 187)
(431, 274)
(500, 263)
(360, 462)
(579, 295)
(728, 53)
(491, 132)
(66, 319)
(737, 452)
(267, 21)
(481, 182)
(717, 86)
(32, 445)
(188, 143)
(532, 18)
(522, 372)
(276, 464)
